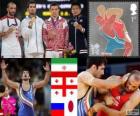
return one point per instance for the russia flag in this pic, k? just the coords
(57, 109)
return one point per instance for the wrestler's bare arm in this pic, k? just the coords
(107, 96)
(101, 107)
(101, 11)
(7, 81)
(118, 12)
(123, 79)
(1, 94)
(42, 83)
(107, 84)
(128, 106)
(132, 103)
(100, 83)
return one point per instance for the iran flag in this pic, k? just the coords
(64, 87)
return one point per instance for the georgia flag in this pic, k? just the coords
(64, 87)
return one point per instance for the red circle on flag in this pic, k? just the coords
(70, 106)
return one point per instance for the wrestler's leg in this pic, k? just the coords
(113, 43)
(109, 47)
(128, 49)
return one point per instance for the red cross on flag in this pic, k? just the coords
(64, 86)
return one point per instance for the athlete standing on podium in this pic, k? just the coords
(9, 32)
(31, 30)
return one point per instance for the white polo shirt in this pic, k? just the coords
(10, 44)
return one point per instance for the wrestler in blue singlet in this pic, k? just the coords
(26, 99)
(113, 43)
(81, 105)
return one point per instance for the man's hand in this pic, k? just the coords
(98, 106)
(31, 22)
(47, 67)
(95, 108)
(52, 34)
(90, 112)
(10, 30)
(101, 11)
(43, 82)
(109, 100)
(78, 26)
(3, 65)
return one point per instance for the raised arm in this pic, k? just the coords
(7, 81)
(42, 83)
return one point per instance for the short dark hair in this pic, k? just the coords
(25, 68)
(96, 61)
(27, 71)
(76, 4)
(31, 2)
(10, 3)
(54, 4)
(2, 88)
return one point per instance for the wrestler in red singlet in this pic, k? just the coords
(111, 27)
(120, 100)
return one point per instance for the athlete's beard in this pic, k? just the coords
(32, 14)
(11, 14)
(55, 16)
(25, 79)
(130, 91)
(127, 90)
